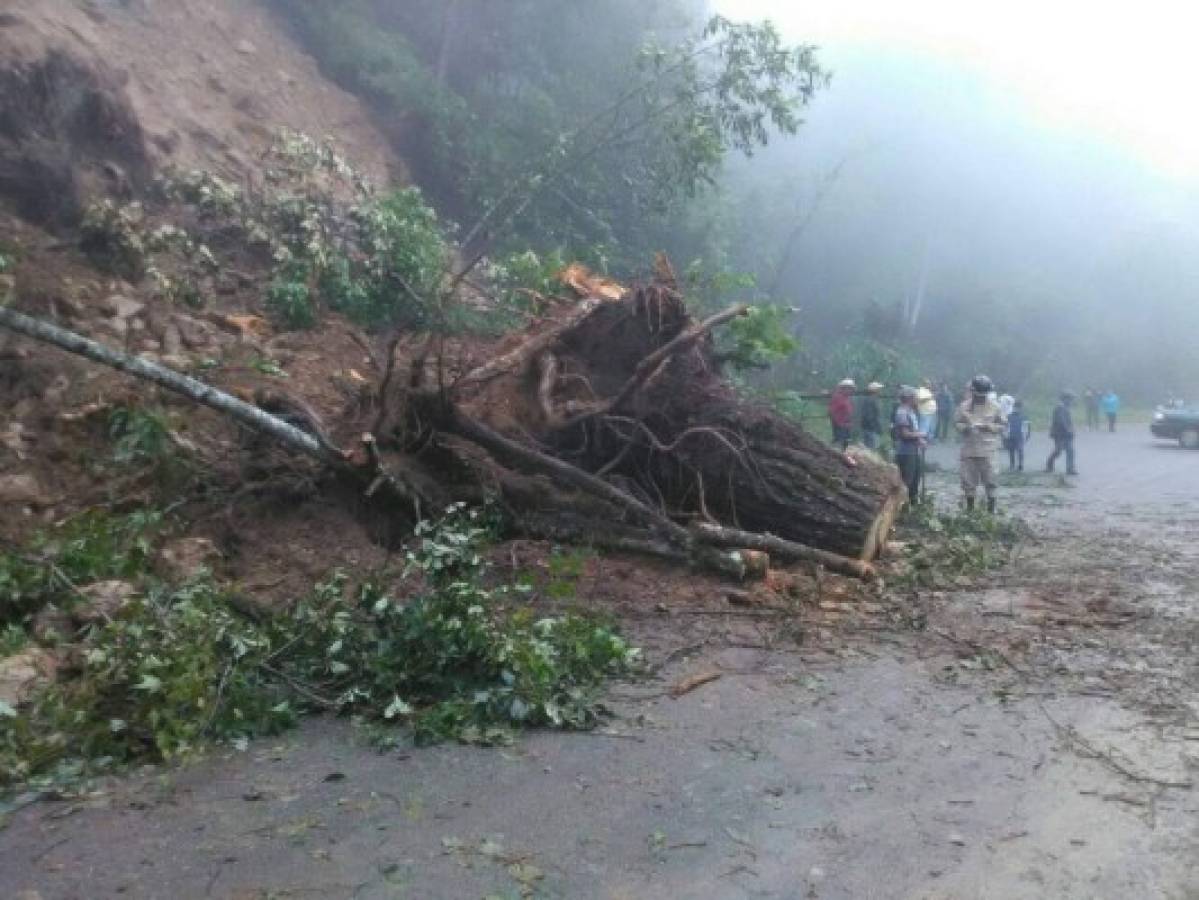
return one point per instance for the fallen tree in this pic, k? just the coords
(608, 422)
(629, 391)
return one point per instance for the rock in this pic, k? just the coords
(23, 673)
(149, 346)
(16, 439)
(8, 284)
(56, 390)
(196, 335)
(22, 489)
(118, 306)
(172, 340)
(246, 48)
(101, 601)
(184, 558)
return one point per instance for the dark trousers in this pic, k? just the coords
(909, 471)
(1015, 455)
(1111, 421)
(1092, 418)
(1062, 445)
(842, 435)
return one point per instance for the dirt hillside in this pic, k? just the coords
(125, 87)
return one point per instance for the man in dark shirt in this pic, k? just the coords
(1061, 429)
(872, 417)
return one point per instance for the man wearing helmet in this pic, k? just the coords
(980, 421)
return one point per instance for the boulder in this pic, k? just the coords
(101, 601)
(172, 340)
(184, 558)
(22, 489)
(22, 674)
(194, 334)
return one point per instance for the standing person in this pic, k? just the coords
(926, 410)
(840, 413)
(1019, 430)
(944, 411)
(1111, 408)
(1061, 429)
(872, 416)
(909, 442)
(1091, 398)
(980, 423)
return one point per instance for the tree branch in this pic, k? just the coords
(197, 391)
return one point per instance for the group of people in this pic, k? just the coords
(1107, 401)
(982, 420)
(934, 412)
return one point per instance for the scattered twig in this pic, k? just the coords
(1089, 749)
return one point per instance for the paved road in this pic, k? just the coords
(900, 766)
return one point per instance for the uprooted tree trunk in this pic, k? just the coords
(609, 422)
(629, 393)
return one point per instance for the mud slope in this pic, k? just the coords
(206, 83)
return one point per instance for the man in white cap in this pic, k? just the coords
(840, 413)
(871, 416)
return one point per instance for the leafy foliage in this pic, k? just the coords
(759, 339)
(290, 299)
(175, 668)
(178, 667)
(91, 547)
(112, 236)
(955, 545)
(380, 260)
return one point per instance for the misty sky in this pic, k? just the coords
(1046, 152)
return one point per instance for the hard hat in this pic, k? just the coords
(981, 384)
(907, 392)
(874, 387)
(847, 382)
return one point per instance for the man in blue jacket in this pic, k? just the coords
(1061, 429)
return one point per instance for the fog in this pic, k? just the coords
(1047, 205)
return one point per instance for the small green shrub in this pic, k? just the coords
(404, 261)
(140, 435)
(112, 237)
(289, 298)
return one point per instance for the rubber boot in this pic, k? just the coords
(969, 504)
(991, 505)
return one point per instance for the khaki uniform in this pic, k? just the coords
(981, 427)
